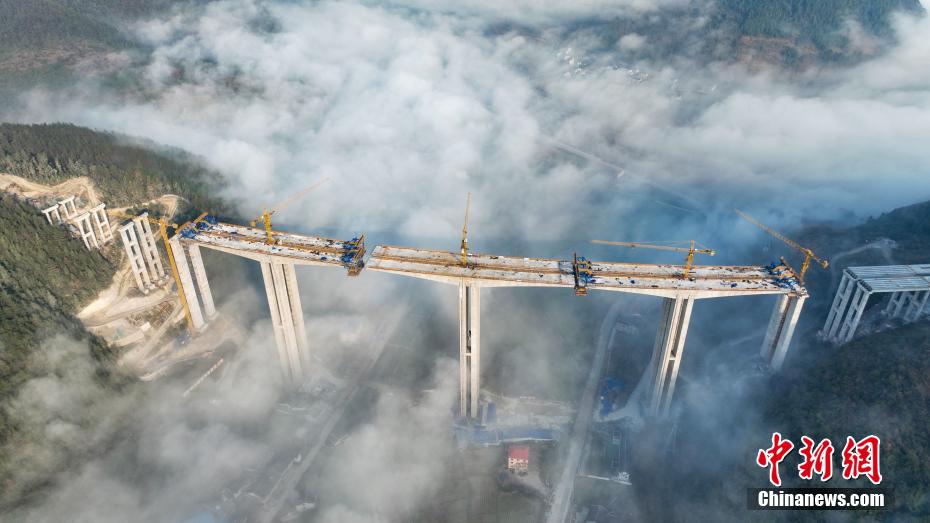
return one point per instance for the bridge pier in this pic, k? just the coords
(200, 274)
(469, 349)
(149, 249)
(136, 257)
(53, 210)
(918, 304)
(187, 283)
(781, 328)
(68, 208)
(669, 345)
(86, 231)
(287, 319)
(102, 221)
(838, 308)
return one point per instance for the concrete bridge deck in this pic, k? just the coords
(277, 262)
(278, 259)
(298, 249)
(665, 281)
(487, 270)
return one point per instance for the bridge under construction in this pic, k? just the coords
(663, 281)
(678, 286)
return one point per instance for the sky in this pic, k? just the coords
(408, 106)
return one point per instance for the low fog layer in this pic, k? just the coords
(407, 110)
(408, 106)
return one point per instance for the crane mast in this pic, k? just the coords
(265, 217)
(465, 232)
(163, 229)
(808, 254)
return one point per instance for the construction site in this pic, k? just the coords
(160, 311)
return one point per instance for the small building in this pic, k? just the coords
(518, 459)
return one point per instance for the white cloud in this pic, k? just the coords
(632, 41)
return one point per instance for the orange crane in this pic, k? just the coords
(808, 254)
(163, 229)
(691, 250)
(265, 218)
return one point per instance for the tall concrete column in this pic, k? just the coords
(287, 320)
(136, 259)
(463, 349)
(187, 283)
(52, 211)
(469, 349)
(86, 231)
(893, 302)
(667, 352)
(853, 315)
(276, 325)
(916, 306)
(781, 329)
(297, 311)
(838, 309)
(149, 247)
(102, 221)
(904, 299)
(68, 209)
(200, 275)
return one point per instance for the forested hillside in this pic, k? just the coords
(125, 170)
(45, 276)
(812, 20)
(877, 384)
(49, 24)
(796, 33)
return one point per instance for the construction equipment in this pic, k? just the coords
(163, 229)
(465, 233)
(583, 272)
(692, 249)
(265, 218)
(808, 254)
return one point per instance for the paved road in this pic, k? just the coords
(561, 500)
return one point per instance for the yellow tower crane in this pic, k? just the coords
(163, 229)
(808, 254)
(465, 232)
(691, 250)
(265, 218)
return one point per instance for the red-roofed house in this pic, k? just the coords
(518, 458)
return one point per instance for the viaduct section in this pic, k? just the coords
(908, 286)
(278, 261)
(663, 281)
